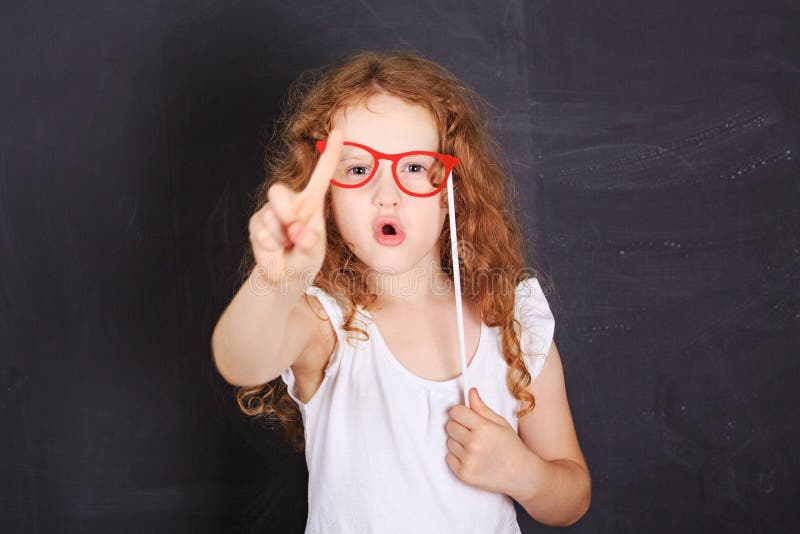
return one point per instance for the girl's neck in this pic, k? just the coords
(415, 288)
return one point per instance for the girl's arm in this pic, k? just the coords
(554, 485)
(261, 333)
(268, 325)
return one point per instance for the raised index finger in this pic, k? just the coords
(313, 195)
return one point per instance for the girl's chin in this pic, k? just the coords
(385, 261)
(385, 267)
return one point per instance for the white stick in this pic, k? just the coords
(457, 282)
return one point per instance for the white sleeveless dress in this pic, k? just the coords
(375, 436)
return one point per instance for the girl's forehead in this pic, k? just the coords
(385, 122)
(383, 109)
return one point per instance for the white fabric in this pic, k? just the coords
(375, 436)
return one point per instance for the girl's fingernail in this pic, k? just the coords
(295, 230)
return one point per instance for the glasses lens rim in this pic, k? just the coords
(445, 159)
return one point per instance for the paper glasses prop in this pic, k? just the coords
(364, 156)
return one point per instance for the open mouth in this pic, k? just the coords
(388, 231)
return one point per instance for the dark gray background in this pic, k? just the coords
(654, 147)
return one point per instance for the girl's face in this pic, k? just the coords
(391, 126)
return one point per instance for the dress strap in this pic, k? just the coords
(336, 315)
(538, 324)
(334, 311)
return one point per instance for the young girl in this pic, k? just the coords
(345, 330)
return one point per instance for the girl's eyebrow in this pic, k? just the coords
(350, 153)
(355, 156)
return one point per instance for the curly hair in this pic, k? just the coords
(481, 193)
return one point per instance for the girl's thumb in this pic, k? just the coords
(302, 235)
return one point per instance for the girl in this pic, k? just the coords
(353, 220)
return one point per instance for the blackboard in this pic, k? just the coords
(654, 148)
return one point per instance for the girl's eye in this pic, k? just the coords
(360, 169)
(416, 165)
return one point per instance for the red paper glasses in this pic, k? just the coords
(417, 173)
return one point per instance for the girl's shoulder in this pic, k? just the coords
(331, 301)
(533, 312)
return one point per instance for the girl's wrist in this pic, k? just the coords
(530, 477)
(261, 284)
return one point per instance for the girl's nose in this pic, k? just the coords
(385, 191)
